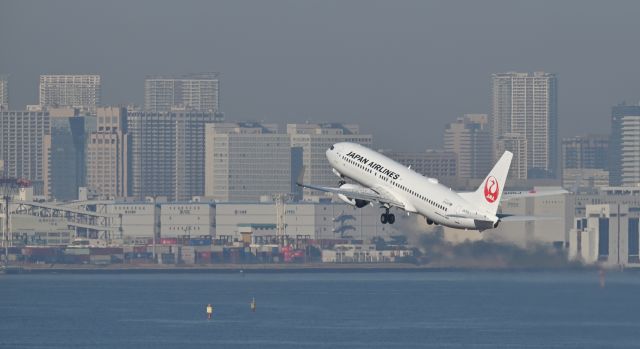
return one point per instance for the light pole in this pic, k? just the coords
(8, 188)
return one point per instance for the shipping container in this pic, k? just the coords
(168, 241)
(204, 257)
(168, 258)
(77, 251)
(140, 249)
(100, 259)
(106, 251)
(199, 242)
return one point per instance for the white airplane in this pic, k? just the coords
(391, 184)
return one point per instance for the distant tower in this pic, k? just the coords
(625, 146)
(107, 154)
(526, 104)
(470, 138)
(585, 158)
(4, 92)
(199, 92)
(77, 91)
(167, 153)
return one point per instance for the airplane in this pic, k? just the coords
(384, 181)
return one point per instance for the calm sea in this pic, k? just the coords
(467, 309)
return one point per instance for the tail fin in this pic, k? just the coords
(488, 195)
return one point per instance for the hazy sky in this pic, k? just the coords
(401, 69)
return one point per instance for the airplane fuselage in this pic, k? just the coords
(418, 194)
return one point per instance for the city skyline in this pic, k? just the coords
(282, 64)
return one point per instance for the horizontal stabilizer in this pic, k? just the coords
(514, 218)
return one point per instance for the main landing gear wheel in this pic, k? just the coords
(387, 218)
(341, 182)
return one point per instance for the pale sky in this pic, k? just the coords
(401, 69)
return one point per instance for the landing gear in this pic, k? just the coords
(341, 182)
(387, 217)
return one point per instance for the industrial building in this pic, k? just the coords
(607, 235)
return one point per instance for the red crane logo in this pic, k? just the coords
(491, 189)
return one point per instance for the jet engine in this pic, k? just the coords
(355, 202)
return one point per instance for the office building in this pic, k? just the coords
(200, 92)
(517, 144)
(313, 140)
(64, 148)
(469, 137)
(76, 91)
(4, 92)
(526, 104)
(107, 154)
(585, 158)
(167, 153)
(625, 145)
(22, 140)
(246, 160)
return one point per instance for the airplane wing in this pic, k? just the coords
(511, 195)
(369, 195)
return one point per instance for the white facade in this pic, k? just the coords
(607, 235)
(78, 91)
(554, 230)
(138, 218)
(314, 140)
(186, 219)
(526, 104)
(318, 221)
(244, 161)
(348, 253)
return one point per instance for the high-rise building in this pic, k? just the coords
(439, 164)
(4, 92)
(586, 158)
(167, 153)
(64, 148)
(517, 144)
(244, 161)
(625, 145)
(22, 139)
(77, 91)
(314, 140)
(526, 104)
(200, 92)
(470, 139)
(107, 154)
